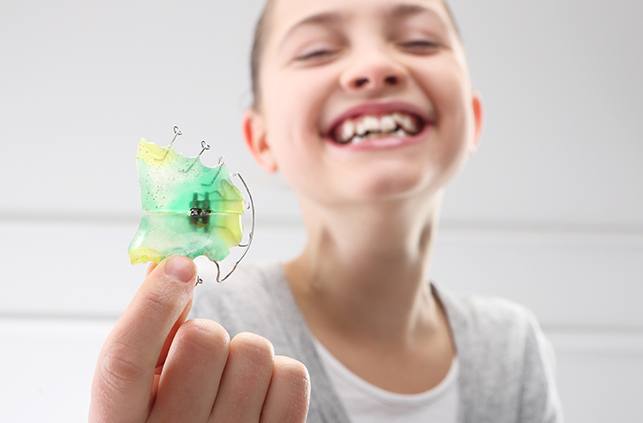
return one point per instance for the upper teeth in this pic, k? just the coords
(374, 124)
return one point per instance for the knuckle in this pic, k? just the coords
(203, 335)
(157, 302)
(293, 373)
(119, 368)
(290, 368)
(254, 348)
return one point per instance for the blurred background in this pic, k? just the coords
(549, 212)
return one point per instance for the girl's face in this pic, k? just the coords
(391, 70)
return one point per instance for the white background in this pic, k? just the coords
(549, 212)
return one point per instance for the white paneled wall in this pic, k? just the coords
(548, 213)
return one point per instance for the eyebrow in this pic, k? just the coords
(399, 11)
(325, 18)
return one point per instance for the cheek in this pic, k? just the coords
(299, 94)
(295, 151)
(293, 105)
(447, 84)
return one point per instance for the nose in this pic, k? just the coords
(375, 75)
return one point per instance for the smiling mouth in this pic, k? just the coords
(358, 130)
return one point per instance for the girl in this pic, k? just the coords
(366, 108)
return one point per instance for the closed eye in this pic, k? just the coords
(419, 44)
(315, 54)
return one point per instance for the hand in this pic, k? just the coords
(157, 367)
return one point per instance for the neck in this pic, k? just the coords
(363, 272)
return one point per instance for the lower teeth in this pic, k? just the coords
(360, 139)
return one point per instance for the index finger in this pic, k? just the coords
(125, 370)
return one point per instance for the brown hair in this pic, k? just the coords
(262, 28)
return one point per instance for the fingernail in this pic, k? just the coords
(180, 268)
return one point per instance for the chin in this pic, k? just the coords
(387, 186)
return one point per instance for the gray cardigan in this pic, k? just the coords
(507, 366)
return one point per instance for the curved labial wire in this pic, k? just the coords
(246, 245)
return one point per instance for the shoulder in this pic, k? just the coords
(491, 324)
(506, 353)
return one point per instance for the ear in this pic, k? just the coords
(254, 132)
(478, 116)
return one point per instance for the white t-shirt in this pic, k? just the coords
(366, 403)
